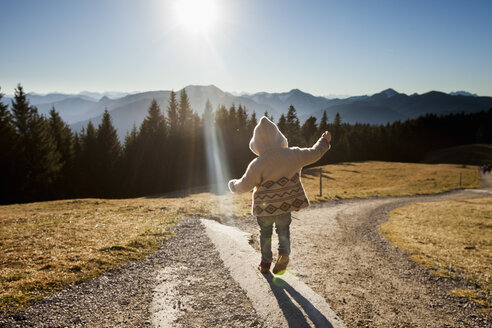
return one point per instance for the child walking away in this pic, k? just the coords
(275, 177)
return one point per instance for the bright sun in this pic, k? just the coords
(198, 16)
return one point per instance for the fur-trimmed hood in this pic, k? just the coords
(266, 136)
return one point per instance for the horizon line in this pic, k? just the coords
(240, 93)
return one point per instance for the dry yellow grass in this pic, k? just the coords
(46, 245)
(453, 238)
(368, 179)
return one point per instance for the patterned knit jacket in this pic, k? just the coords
(274, 175)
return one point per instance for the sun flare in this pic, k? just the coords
(198, 16)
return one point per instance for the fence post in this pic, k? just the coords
(320, 182)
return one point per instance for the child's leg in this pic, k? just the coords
(266, 225)
(282, 224)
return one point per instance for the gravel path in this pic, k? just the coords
(281, 301)
(204, 293)
(337, 250)
(340, 253)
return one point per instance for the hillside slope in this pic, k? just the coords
(475, 154)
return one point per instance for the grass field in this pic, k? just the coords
(46, 245)
(368, 179)
(452, 238)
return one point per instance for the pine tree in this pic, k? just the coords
(337, 125)
(252, 123)
(293, 132)
(338, 120)
(196, 123)
(153, 154)
(270, 117)
(75, 175)
(6, 125)
(45, 159)
(222, 117)
(154, 124)
(282, 124)
(172, 114)
(185, 113)
(208, 114)
(233, 126)
(108, 156)
(107, 139)
(323, 124)
(22, 113)
(242, 119)
(292, 118)
(131, 139)
(131, 158)
(87, 165)
(89, 141)
(309, 131)
(38, 161)
(62, 134)
(7, 159)
(63, 142)
(187, 145)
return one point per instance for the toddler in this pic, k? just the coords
(275, 177)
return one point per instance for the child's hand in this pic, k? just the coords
(327, 136)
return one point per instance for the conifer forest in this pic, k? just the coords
(41, 158)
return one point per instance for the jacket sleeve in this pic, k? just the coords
(250, 179)
(306, 156)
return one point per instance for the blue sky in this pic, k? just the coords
(321, 47)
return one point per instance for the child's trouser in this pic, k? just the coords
(282, 223)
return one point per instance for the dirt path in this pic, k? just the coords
(282, 300)
(339, 252)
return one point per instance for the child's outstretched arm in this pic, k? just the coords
(308, 156)
(248, 181)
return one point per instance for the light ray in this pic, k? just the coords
(217, 167)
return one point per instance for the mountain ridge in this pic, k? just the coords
(380, 108)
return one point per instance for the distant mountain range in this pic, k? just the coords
(72, 107)
(380, 108)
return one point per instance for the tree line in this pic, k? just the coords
(41, 158)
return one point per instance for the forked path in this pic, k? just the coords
(343, 273)
(343, 268)
(339, 252)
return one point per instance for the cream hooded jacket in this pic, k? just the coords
(275, 173)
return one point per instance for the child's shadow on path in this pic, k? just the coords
(292, 312)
